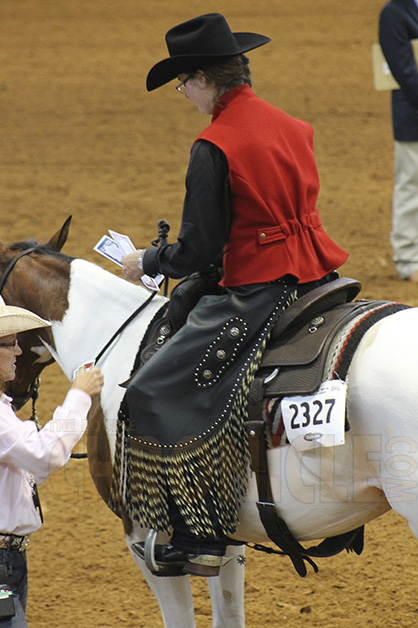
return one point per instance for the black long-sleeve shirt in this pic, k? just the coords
(206, 218)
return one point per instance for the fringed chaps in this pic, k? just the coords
(215, 463)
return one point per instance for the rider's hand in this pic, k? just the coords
(90, 381)
(130, 266)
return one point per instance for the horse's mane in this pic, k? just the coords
(40, 249)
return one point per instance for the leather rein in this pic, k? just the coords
(12, 264)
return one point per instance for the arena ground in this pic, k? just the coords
(80, 135)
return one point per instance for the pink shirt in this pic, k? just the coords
(27, 454)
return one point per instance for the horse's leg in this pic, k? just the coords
(227, 591)
(173, 595)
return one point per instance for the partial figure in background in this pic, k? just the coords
(398, 25)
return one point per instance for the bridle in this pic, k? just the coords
(33, 392)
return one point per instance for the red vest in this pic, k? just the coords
(276, 229)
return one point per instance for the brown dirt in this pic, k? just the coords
(81, 136)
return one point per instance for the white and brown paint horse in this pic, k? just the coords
(320, 493)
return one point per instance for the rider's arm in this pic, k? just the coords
(206, 218)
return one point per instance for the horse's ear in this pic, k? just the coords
(59, 239)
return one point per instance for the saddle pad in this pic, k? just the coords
(336, 363)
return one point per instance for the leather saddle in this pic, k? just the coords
(300, 337)
(294, 364)
(294, 360)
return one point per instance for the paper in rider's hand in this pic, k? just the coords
(123, 241)
(115, 247)
(110, 249)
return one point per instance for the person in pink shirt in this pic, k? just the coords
(28, 457)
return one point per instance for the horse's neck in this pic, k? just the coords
(98, 304)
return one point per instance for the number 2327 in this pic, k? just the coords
(314, 412)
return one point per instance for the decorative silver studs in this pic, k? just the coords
(235, 328)
(315, 323)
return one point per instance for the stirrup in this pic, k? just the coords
(195, 563)
(149, 551)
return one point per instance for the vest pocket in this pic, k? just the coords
(270, 234)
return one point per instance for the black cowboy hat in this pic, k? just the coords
(198, 43)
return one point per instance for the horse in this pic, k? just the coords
(320, 492)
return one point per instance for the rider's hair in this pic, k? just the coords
(228, 74)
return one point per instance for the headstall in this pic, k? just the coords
(19, 402)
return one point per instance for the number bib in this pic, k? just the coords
(318, 419)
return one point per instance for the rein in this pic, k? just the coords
(125, 324)
(12, 264)
(107, 345)
(33, 392)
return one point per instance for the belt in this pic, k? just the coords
(14, 542)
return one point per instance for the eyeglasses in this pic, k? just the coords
(10, 345)
(182, 87)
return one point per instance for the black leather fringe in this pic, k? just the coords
(216, 465)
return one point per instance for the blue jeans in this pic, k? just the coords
(18, 580)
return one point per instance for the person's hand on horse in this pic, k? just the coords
(130, 266)
(90, 381)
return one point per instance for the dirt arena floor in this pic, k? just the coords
(80, 135)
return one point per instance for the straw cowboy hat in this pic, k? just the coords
(15, 319)
(198, 43)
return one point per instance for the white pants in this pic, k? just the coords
(404, 235)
